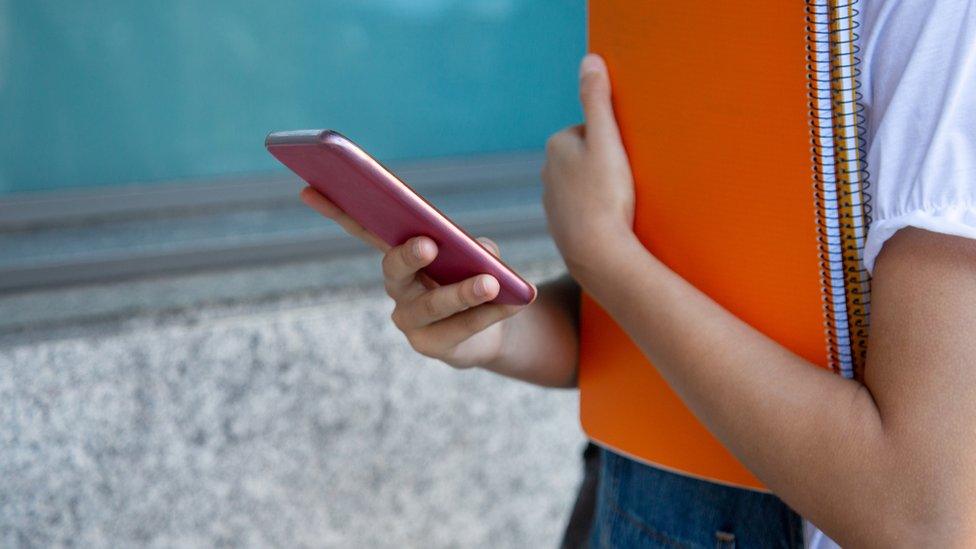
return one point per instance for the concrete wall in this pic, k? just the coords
(284, 414)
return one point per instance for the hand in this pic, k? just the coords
(589, 189)
(453, 323)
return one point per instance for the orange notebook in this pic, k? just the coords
(742, 124)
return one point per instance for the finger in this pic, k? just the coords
(400, 266)
(442, 302)
(327, 208)
(427, 281)
(491, 245)
(319, 203)
(601, 126)
(451, 332)
(566, 139)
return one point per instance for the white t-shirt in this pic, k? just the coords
(919, 84)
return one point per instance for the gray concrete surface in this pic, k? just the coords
(274, 406)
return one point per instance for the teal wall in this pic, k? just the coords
(121, 91)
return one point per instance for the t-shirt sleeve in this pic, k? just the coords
(920, 93)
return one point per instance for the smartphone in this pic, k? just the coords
(384, 205)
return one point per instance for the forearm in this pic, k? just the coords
(541, 342)
(886, 462)
(814, 438)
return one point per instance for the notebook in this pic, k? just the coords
(745, 136)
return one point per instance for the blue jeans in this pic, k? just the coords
(642, 506)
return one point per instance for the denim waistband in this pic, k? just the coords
(643, 506)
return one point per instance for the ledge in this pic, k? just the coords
(100, 235)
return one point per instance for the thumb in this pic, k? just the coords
(490, 244)
(601, 126)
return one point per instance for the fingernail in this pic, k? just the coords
(418, 248)
(484, 286)
(591, 63)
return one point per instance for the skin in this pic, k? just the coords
(883, 463)
(457, 325)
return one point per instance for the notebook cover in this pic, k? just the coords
(711, 99)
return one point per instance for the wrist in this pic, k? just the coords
(598, 264)
(501, 359)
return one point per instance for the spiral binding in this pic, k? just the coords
(837, 127)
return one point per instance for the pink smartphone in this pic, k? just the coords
(369, 193)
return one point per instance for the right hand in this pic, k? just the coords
(452, 323)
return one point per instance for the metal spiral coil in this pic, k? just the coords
(843, 214)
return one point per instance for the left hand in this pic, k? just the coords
(589, 189)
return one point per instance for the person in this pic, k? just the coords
(886, 461)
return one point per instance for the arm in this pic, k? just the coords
(887, 462)
(536, 343)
